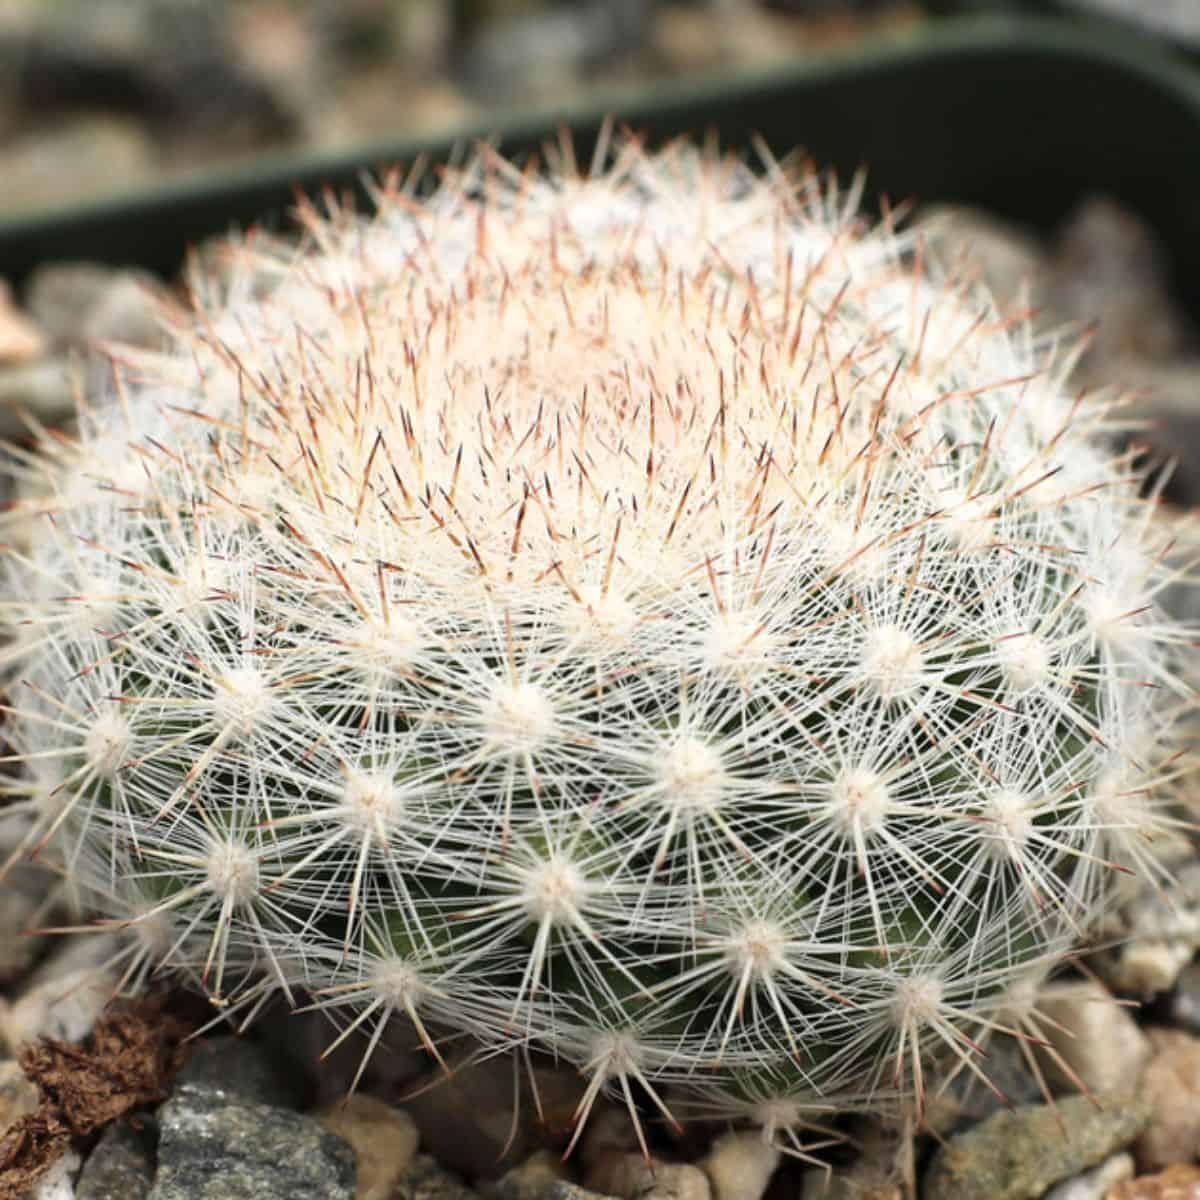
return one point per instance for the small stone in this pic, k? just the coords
(1147, 909)
(1108, 267)
(967, 1099)
(18, 1096)
(1007, 259)
(212, 1147)
(1093, 1035)
(631, 1177)
(65, 1008)
(1094, 1184)
(467, 1121)
(542, 1176)
(740, 1165)
(27, 901)
(241, 1068)
(1184, 1004)
(881, 1172)
(529, 55)
(851, 1185)
(609, 1130)
(384, 1140)
(1164, 399)
(120, 1166)
(1017, 1154)
(303, 1039)
(426, 1180)
(56, 1183)
(1171, 1084)
(82, 303)
(44, 389)
(77, 159)
(1180, 1182)
(20, 338)
(128, 312)
(60, 295)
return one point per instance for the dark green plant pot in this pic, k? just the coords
(1145, 18)
(1021, 115)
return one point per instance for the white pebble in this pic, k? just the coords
(740, 1165)
(1094, 1184)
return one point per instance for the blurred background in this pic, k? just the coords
(101, 95)
(105, 97)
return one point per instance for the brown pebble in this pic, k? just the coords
(1180, 1182)
(20, 339)
(383, 1138)
(1172, 1085)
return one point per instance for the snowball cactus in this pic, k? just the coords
(643, 615)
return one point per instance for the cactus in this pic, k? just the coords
(643, 615)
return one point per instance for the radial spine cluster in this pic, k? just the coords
(641, 615)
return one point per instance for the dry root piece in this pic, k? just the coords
(128, 1061)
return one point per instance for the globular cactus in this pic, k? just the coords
(642, 615)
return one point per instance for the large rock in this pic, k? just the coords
(1018, 1154)
(215, 1147)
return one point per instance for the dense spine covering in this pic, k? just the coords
(642, 615)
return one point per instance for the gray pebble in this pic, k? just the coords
(27, 901)
(80, 303)
(1096, 1183)
(1090, 1038)
(212, 1147)
(45, 389)
(967, 1100)
(533, 54)
(1154, 932)
(1006, 258)
(540, 1177)
(1108, 267)
(304, 1038)
(120, 1167)
(75, 159)
(59, 296)
(425, 1180)
(1164, 400)
(467, 1120)
(242, 1069)
(1184, 1004)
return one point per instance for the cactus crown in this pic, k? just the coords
(644, 615)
